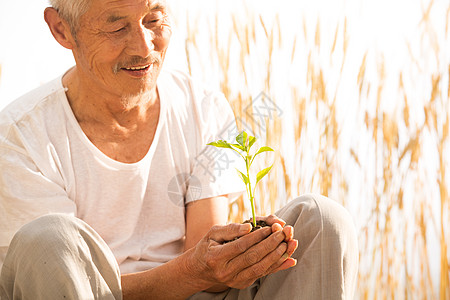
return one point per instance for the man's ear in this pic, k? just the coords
(59, 28)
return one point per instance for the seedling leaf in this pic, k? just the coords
(238, 146)
(262, 173)
(220, 144)
(263, 149)
(251, 141)
(243, 177)
(242, 138)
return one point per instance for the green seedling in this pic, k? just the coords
(244, 143)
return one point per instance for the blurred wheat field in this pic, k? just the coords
(363, 123)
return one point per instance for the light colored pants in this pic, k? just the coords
(59, 257)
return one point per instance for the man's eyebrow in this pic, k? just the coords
(114, 18)
(158, 5)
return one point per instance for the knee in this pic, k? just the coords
(37, 242)
(327, 239)
(337, 224)
(316, 214)
(45, 231)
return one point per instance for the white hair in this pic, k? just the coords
(71, 11)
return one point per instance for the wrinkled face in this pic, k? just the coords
(121, 44)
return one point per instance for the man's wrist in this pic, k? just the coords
(195, 270)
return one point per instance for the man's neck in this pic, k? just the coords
(122, 128)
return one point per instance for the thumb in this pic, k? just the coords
(221, 234)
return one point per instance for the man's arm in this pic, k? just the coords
(203, 214)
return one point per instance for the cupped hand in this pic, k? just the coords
(239, 263)
(292, 244)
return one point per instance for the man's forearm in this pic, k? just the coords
(173, 280)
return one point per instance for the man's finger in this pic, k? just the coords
(258, 251)
(244, 243)
(262, 267)
(288, 263)
(221, 234)
(292, 246)
(288, 232)
(283, 264)
(276, 227)
(271, 219)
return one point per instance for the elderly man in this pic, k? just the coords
(89, 165)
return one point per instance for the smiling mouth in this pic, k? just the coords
(138, 71)
(137, 68)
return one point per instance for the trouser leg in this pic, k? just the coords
(327, 256)
(59, 257)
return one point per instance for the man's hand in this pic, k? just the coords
(292, 244)
(239, 263)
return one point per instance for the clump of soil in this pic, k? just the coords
(259, 224)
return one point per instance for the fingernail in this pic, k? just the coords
(285, 256)
(245, 228)
(276, 227)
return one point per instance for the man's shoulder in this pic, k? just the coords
(19, 108)
(36, 104)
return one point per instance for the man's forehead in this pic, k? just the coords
(150, 3)
(111, 5)
(110, 11)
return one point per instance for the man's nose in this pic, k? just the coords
(140, 42)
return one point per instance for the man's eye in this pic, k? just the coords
(112, 30)
(155, 21)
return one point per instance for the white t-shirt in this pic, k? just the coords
(47, 164)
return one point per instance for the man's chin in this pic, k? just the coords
(143, 91)
(137, 87)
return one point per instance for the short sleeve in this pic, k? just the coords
(214, 169)
(26, 192)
